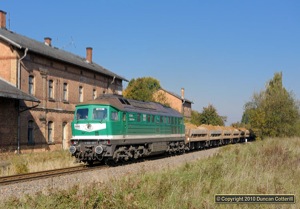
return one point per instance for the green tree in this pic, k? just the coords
(210, 116)
(142, 88)
(274, 111)
(195, 118)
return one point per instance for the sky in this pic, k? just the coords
(221, 52)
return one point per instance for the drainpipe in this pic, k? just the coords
(113, 80)
(108, 84)
(19, 68)
(19, 87)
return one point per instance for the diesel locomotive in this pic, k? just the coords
(113, 129)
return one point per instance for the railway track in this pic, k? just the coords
(44, 174)
(13, 179)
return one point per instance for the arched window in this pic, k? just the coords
(51, 90)
(50, 132)
(64, 135)
(94, 94)
(80, 94)
(65, 92)
(31, 84)
(30, 132)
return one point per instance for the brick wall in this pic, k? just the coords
(176, 103)
(54, 110)
(8, 63)
(8, 123)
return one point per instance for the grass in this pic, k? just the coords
(33, 162)
(271, 166)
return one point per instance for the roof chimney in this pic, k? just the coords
(182, 93)
(47, 41)
(2, 19)
(89, 54)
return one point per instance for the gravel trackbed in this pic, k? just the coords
(99, 176)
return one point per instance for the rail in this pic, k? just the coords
(43, 174)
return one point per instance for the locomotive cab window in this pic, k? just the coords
(82, 114)
(100, 113)
(139, 117)
(114, 116)
(124, 116)
(148, 118)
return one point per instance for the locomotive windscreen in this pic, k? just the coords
(82, 114)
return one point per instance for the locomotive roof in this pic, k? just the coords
(132, 105)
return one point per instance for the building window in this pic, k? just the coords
(30, 132)
(51, 89)
(94, 94)
(80, 94)
(65, 92)
(31, 85)
(64, 135)
(50, 132)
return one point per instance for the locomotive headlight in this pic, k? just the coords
(72, 149)
(99, 149)
(74, 142)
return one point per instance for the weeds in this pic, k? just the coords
(33, 162)
(21, 167)
(270, 166)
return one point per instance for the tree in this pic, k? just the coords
(210, 116)
(142, 88)
(196, 118)
(274, 111)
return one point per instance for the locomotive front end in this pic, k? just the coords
(90, 133)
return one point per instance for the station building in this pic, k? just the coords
(51, 81)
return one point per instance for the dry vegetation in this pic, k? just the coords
(33, 162)
(271, 166)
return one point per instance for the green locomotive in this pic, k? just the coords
(112, 129)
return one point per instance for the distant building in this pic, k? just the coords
(56, 78)
(179, 103)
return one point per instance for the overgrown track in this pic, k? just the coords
(45, 174)
(13, 179)
(77, 169)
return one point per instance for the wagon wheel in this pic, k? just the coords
(110, 162)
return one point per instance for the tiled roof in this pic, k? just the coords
(21, 41)
(7, 90)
